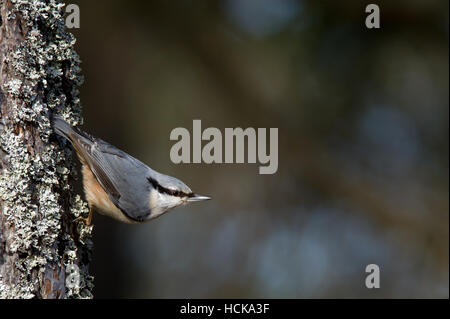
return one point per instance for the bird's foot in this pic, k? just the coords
(86, 220)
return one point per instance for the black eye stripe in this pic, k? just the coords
(165, 190)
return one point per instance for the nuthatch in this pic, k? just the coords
(120, 186)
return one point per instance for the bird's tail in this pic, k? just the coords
(61, 127)
(79, 139)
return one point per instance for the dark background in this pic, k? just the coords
(363, 145)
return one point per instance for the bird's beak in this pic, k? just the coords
(198, 198)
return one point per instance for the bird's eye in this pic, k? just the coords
(173, 192)
(162, 189)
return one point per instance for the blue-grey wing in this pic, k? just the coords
(123, 177)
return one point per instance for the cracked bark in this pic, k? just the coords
(43, 253)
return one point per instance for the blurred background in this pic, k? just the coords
(363, 145)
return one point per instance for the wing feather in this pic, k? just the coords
(123, 177)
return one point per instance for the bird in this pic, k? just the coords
(120, 186)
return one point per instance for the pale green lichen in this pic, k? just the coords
(8, 291)
(39, 61)
(42, 62)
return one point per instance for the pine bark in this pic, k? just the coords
(43, 252)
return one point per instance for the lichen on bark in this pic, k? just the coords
(43, 252)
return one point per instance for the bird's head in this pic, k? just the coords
(168, 192)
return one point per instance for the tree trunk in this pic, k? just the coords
(43, 252)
